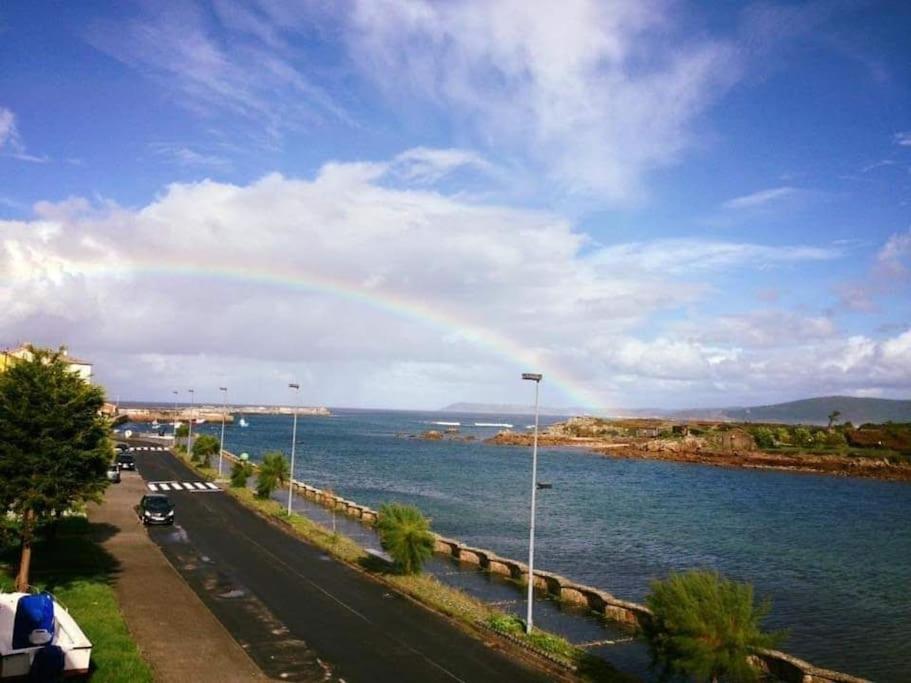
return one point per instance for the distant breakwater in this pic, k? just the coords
(600, 602)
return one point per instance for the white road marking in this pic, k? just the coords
(153, 487)
(164, 487)
(176, 485)
(212, 486)
(199, 485)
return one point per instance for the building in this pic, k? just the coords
(9, 356)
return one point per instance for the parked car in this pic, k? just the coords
(121, 447)
(126, 461)
(156, 508)
(114, 473)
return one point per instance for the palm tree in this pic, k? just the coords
(273, 472)
(405, 534)
(705, 627)
(240, 472)
(833, 418)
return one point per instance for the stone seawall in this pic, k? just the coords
(780, 664)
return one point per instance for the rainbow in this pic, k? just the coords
(520, 356)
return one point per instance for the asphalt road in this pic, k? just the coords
(323, 610)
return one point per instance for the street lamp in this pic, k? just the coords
(224, 412)
(536, 378)
(190, 421)
(175, 392)
(296, 388)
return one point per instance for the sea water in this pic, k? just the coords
(833, 554)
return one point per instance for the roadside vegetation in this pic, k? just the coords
(274, 471)
(405, 534)
(706, 627)
(241, 471)
(204, 447)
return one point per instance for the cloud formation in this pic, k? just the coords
(760, 198)
(598, 95)
(353, 277)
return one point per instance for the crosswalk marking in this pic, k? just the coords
(147, 448)
(188, 486)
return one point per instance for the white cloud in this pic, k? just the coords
(596, 94)
(220, 63)
(349, 281)
(11, 144)
(903, 138)
(186, 156)
(760, 198)
(687, 256)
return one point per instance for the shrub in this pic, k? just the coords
(240, 472)
(203, 447)
(803, 437)
(705, 627)
(273, 472)
(183, 431)
(764, 437)
(405, 535)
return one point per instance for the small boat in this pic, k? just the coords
(155, 424)
(493, 424)
(243, 423)
(199, 421)
(39, 637)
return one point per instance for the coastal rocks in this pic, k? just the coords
(432, 435)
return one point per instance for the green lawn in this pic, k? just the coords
(78, 571)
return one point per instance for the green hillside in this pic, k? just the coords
(817, 411)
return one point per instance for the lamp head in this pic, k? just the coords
(532, 376)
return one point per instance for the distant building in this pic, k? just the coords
(82, 367)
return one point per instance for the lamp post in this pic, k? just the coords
(175, 417)
(224, 413)
(190, 422)
(296, 388)
(536, 378)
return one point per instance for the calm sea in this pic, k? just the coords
(833, 554)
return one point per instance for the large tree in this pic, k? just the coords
(54, 449)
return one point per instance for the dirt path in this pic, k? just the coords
(176, 632)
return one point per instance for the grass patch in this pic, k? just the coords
(78, 571)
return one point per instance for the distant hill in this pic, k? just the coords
(807, 411)
(509, 409)
(817, 411)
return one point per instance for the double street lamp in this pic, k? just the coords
(190, 421)
(536, 378)
(224, 414)
(296, 388)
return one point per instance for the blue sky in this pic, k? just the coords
(657, 203)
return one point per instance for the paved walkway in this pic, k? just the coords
(176, 632)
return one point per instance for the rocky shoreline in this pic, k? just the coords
(698, 451)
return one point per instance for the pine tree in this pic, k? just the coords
(54, 450)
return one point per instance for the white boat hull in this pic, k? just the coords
(15, 664)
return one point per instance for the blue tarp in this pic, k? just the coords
(33, 612)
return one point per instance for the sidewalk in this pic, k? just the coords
(176, 632)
